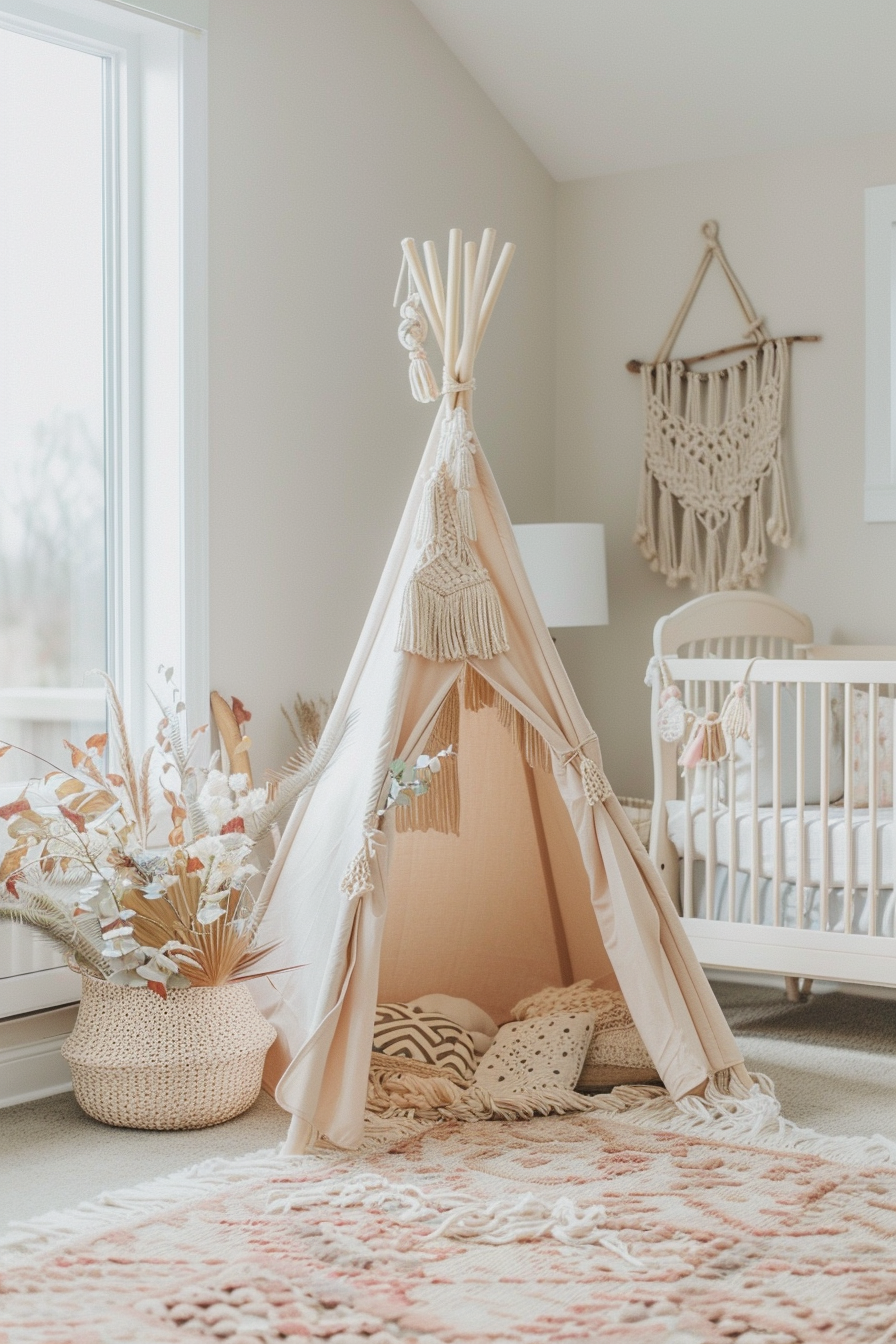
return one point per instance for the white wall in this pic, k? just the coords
(337, 127)
(627, 247)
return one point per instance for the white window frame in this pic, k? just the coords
(156, 332)
(880, 354)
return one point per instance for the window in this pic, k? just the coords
(102, 347)
(880, 354)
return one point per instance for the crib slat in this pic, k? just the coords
(688, 892)
(848, 877)
(732, 838)
(800, 802)
(824, 801)
(709, 795)
(776, 799)
(873, 787)
(754, 803)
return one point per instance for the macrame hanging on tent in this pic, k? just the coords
(450, 610)
(713, 490)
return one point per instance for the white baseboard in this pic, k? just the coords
(31, 1065)
(718, 974)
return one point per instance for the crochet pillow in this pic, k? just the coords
(544, 1052)
(410, 1033)
(616, 1054)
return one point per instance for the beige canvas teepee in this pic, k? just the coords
(518, 869)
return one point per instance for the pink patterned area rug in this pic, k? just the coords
(574, 1228)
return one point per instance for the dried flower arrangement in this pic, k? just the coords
(80, 865)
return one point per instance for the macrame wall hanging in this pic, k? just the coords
(713, 489)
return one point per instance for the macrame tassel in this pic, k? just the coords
(668, 563)
(426, 521)
(735, 718)
(456, 448)
(412, 332)
(690, 547)
(423, 384)
(671, 719)
(778, 525)
(439, 808)
(448, 623)
(711, 561)
(706, 743)
(594, 781)
(358, 878)
(645, 532)
(754, 552)
(733, 575)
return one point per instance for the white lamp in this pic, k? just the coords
(567, 567)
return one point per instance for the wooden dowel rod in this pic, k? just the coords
(494, 289)
(409, 247)
(435, 278)
(452, 302)
(470, 251)
(636, 365)
(471, 325)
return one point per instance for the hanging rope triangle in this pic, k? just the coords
(712, 483)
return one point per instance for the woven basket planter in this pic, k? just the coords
(191, 1060)
(638, 811)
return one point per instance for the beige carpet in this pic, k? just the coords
(833, 1061)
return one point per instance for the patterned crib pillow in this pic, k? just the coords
(430, 1038)
(546, 1052)
(616, 1054)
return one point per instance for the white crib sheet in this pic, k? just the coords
(789, 842)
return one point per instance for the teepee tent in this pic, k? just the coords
(518, 868)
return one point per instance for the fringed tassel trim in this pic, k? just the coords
(481, 694)
(447, 626)
(439, 808)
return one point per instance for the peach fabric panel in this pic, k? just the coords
(467, 914)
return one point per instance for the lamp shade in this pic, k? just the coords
(567, 567)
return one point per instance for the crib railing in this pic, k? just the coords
(767, 869)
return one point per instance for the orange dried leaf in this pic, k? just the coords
(115, 780)
(98, 742)
(74, 817)
(194, 865)
(13, 809)
(240, 712)
(68, 787)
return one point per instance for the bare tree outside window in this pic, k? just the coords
(52, 454)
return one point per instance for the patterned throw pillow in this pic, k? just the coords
(544, 1052)
(616, 1054)
(430, 1038)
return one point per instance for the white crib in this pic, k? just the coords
(782, 856)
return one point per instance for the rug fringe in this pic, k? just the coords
(113, 1208)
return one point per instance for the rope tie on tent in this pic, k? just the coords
(595, 783)
(450, 385)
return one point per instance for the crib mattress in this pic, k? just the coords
(789, 842)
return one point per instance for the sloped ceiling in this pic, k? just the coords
(605, 86)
